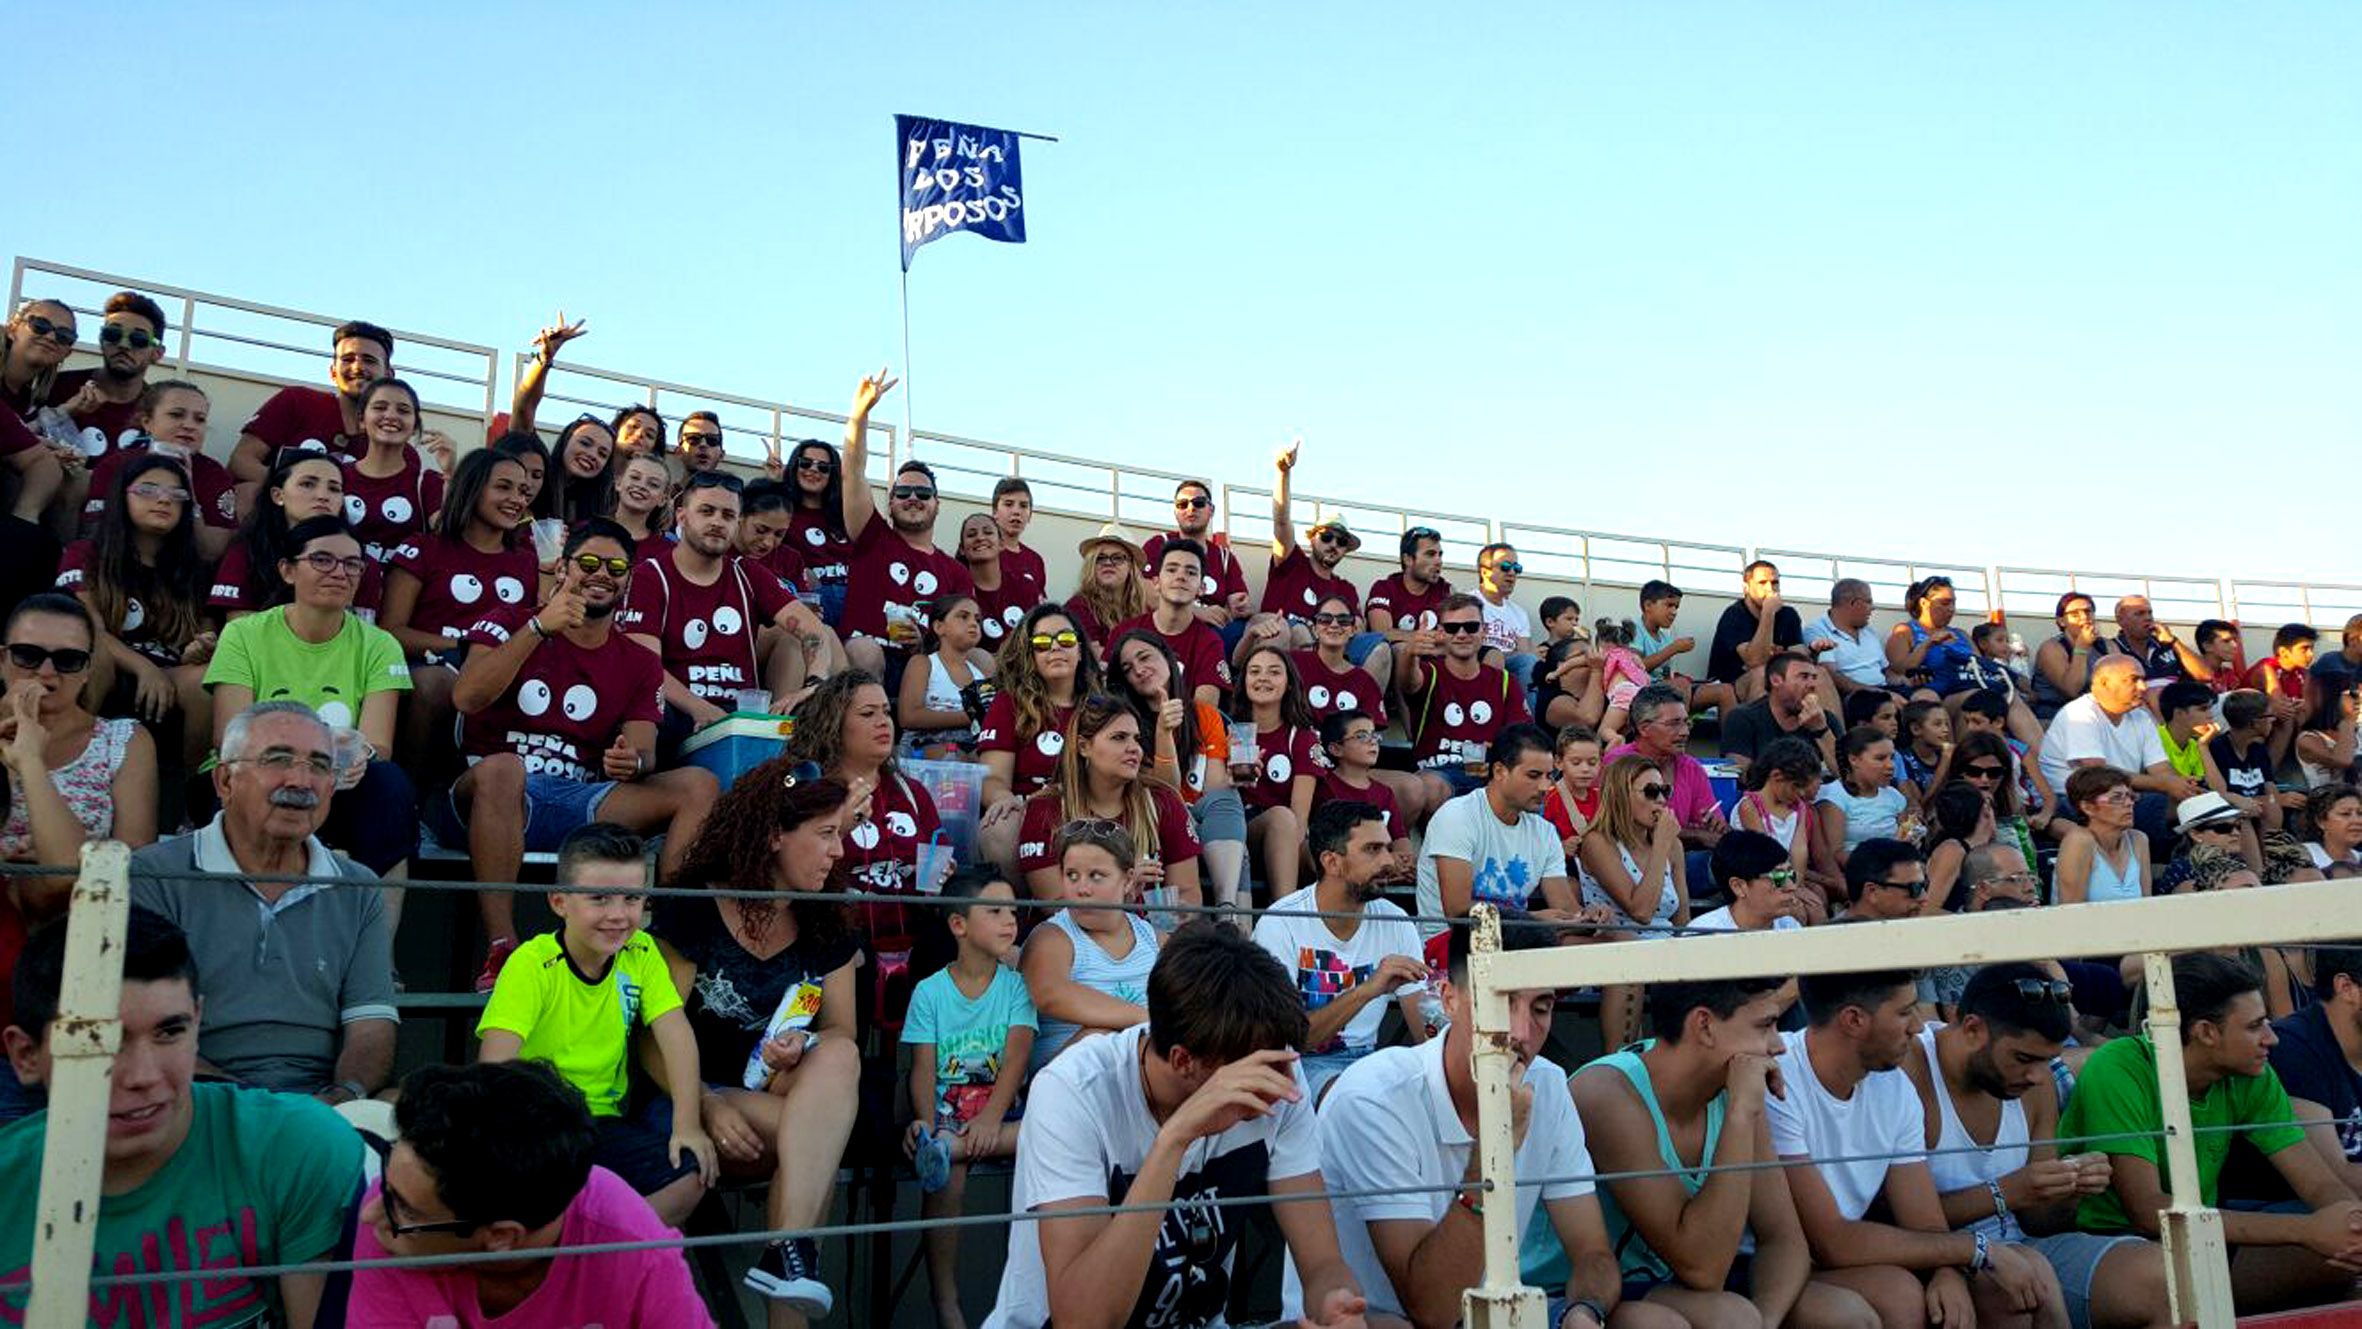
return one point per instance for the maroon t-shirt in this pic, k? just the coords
(1176, 838)
(1281, 756)
(1466, 710)
(217, 497)
(235, 589)
(881, 856)
(784, 563)
(709, 632)
(828, 560)
(1410, 611)
(459, 583)
(887, 570)
(117, 422)
(1100, 633)
(1295, 587)
(1334, 790)
(384, 514)
(303, 418)
(1329, 693)
(567, 703)
(1026, 565)
(1000, 610)
(1198, 648)
(1036, 753)
(73, 574)
(15, 435)
(1224, 576)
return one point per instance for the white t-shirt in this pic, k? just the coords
(1504, 623)
(2081, 730)
(1720, 920)
(1882, 1124)
(1087, 1130)
(1325, 968)
(1389, 1121)
(1507, 863)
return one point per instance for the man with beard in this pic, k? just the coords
(700, 443)
(1848, 1102)
(703, 611)
(1492, 845)
(896, 568)
(1991, 1115)
(105, 397)
(1303, 576)
(297, 980)
(1454, 704)
(560, 730)
(1345, 968)
(307, 418)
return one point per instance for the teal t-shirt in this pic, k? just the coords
(263, 1178)
(968, 1034)
(1542, 1259)
(332, 677)
(2117, 1092)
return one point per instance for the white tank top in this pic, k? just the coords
(1594, 893)
(1976, 1164)
(942, 693)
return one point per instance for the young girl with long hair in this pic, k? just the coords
(299, 487)
(1100, 778)
(443, 581)
(1191, 755)
(1279, 785)
(390, 493)
(139, 576)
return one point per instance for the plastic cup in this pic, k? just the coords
(754, 699)
(549, 540)
(932, 867)
(353, 753)
(1244, 750)
(1476, 758)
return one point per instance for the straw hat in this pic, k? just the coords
(1345, 537)
(1111, 534)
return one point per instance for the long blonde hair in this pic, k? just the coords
(1129, 599)
(1092, 714)
(1616, 820)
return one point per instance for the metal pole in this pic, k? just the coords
(909, 439)
(1501, 1301)
(82, 1044)
(2197, 1259)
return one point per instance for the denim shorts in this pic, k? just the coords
(1220, 815)
(555, 807)
(2075, 1257)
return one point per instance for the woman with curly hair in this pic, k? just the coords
(1111, 591)
(768, 985)
(1278, 782)
(1100, 779)
(1044, 666)
(846, 728)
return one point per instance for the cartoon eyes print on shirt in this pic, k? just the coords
(1318, 695)
(1453, 715)
(1278, 768)
(815, 537)
(924, 583)
(533, 698)
(1480, 712)
(900, 572)
(727, 622)
(902, 825)
(582, 702)
(467, 588)
(1311, 598)
(509, 589)
(356, 510)
(227, 503)
(1049, 743)
(336, 714)
(992, 628)
(693, 633)
(864, 835)
(396, 509)
(1211, 586)
(1012, 616)
(311, 445)
(135, 615)
(1346, 701)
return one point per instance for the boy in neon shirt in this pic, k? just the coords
(572, 997)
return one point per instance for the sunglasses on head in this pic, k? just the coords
(138, 339)
(1332, 620)
(28, 657)
(920, 493)
(61, 333)
(803, 772)
(1460, 629)
(616, 567)
(2055, 991)
(1065, 639)
(1423, 533)
(1192, 504)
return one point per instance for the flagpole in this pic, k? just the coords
(909, 441)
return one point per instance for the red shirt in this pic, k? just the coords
(1295, 587)
(1036, 753)
(1281, 755)
(1026, 565)
(887, 570)
(1094, 628)
(217, 497)
(1224, 577)
(1410, 611)
(827, 559)
(1334, 790)
(1198, 648)
(784, 563)
(236, 591)
(304, 418)
(459, 583)
(567, 703)
(1328, 693)
(1554, 809)
(881, 856)
(709, 632)
(1176, 838)
(1002, 609)
(117, 422)
(15, 435)
(1465, 710)
(135, 632)
(386, 513)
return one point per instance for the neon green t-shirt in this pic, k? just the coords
(332, 677)
(2187, 762)
(581, 1025)
(2117, 1091)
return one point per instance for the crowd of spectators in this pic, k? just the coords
(284, 679)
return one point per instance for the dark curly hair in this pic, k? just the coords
(819, 735)
(734, 847)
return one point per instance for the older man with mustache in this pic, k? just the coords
(296, 977)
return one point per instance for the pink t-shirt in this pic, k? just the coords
(385, 513)
(648, 1287)
(1693, 793)
(709, 632)
(567, 702)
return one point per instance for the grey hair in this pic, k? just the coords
(1847, 588)
(1646, 701)
(1988, 861)
(233, 735)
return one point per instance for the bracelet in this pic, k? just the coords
(2001, 1207)
(538, 630)
(1598, 1312)
(1983, 1259)
(1470, 1199)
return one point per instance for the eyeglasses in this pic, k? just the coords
(395, 1204)
(1510, 566)
(1191, 504)
(803, 772)
(139, 339)
(1332, 620)
(28, 657)
(1360, 736)
(145, 489)
(1983, 770)
(919, 492)
(2120, 794)
(1460, 629)
(616, 567)
(1111, 556)
(2055, 991)
(1656, 793)
(318, 764)
(812, 465)
(61, 333)
(1915, 889)
(327, 564)
(1064, 639)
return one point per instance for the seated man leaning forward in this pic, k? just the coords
(298, 979)
(1200, 1105)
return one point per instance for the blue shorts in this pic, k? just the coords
(1220, 814)
(633, 1148)
(2075, 1257)
(555, 807)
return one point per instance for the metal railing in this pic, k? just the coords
(575, 388)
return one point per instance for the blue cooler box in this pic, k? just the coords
(1724, 778)
(736, 743)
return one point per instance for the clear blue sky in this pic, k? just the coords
(1869, 277)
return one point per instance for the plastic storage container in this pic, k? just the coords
(737, 743)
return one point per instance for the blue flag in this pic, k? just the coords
(957, 177)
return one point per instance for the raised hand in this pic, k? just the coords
(565, 611)
(1286, 460)
(1242, 1090)
(873, 390)
(547, 341)
(439, 446)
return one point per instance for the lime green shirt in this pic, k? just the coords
(579, 1024)
(333, 677)
(2117, 1091)
(2187, 762)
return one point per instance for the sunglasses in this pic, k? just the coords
(1460, 629)
(1916, 889)
(1065, 639)
(2055, 991)
(1191, 504)
(324, 563)
(30, 658)
(1781, 878)
(713, 480)
(919, 492)
(143, 489)
(61, 333)
(1656, 793)
(811, 465)
(1332, 620)
(138, 339)
(1327, 537)
(616, 567)
(1510, 566)
(692, 442)
(1983, 770)
(1111, 556)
